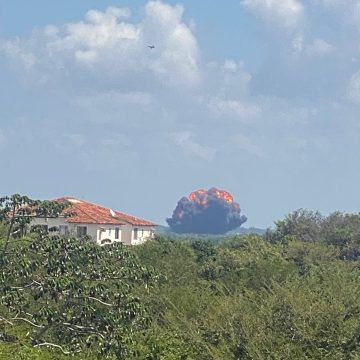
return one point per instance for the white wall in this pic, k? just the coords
(127, 234)
(101, 232)
(144, 233)
(108, 232)
(98, 232)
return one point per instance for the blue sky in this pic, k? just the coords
(257, 97)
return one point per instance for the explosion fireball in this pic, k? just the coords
(206, 212)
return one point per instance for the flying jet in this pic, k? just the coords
(151, 47)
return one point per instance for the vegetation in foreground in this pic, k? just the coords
(291, 294)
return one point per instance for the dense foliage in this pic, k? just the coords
(292, 294)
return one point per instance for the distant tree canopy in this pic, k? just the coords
(338, 229)
(291, 294)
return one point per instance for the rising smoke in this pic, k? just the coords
(206, 212)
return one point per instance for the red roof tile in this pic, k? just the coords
(88, 213)
(133, 220)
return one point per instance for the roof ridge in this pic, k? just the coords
(85, 201)
(129, 215)
(135, 218)
(79, 201)
(120, 216)
(87, 214)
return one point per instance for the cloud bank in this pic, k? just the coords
(97, 99)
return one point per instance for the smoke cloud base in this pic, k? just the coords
(206, 212)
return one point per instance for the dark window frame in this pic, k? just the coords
(81, 230)
(63, 229)
(136, 233)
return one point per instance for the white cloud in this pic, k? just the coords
(284, 13)
(110, 14)
(117, 82)
(354, 88)
(228, 79)
(233, 108)
(290, 14)
(283, 113)
(123, 105)
(244, 143)
(228, 87)
(319, 47)
(174, 39)
(184, 139)
(336, 4)
(95, 144)
(117, 99)
(86, 41)
(108, 45)
(348, 10)
(298, 44)
(14, 50)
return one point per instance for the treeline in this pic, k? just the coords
(292, 294)
(337, 229)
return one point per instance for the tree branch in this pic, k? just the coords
(5, 320)
(9, 231)
(28, 321)
(91, 298)
(98, 300)
(83, 329)
(62, 309)
(56, 346)
(26, 286)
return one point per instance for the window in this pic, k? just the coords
(109, 232)
(81, 231)
(101, 231)
(63, 230)
(136, 233)
(117, 233)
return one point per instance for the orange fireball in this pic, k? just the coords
(206, 212)
(201, 196)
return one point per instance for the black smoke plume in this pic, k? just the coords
(206, 212)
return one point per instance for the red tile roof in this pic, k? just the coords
(88, 213)
(133, 220)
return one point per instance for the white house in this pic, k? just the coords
(102, 224)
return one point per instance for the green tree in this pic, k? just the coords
(17, 211)
(304, 224)
(71, 293)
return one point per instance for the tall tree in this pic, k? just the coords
(72, 293)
